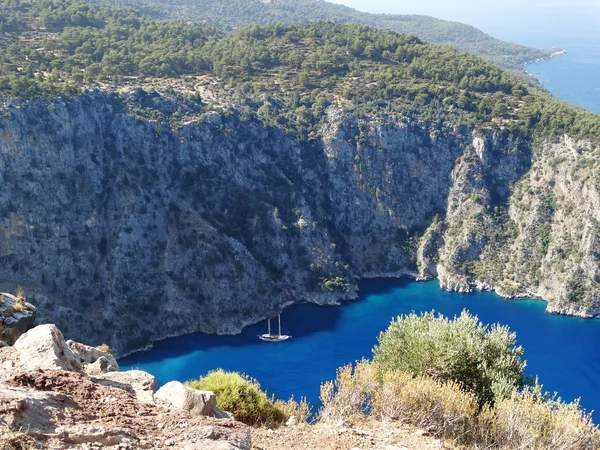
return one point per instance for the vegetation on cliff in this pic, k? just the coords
(285, 75)
(240, 13)
(285, 161)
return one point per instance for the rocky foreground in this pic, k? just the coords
(67, 395)
(58, 394)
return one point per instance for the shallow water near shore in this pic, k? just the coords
(562, 351)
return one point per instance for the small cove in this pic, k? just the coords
(560, 350)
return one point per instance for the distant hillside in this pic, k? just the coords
(238, 13)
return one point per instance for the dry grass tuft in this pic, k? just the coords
(302, 411)
(104, 348)
(443, 409)
(15, 440)
(350, 395)
(19, 304)
(528, 419)
(531, 420)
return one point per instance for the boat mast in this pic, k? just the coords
(269, 325)
(279, 320)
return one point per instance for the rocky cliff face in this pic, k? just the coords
(125, 231)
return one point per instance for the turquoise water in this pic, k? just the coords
(562, 351)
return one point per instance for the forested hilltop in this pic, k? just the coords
(232, 14)
(288, 76)
(161, 178)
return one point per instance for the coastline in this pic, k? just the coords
(354, 294)
(556, 51)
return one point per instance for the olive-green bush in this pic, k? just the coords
(482, 360)
(243, 397)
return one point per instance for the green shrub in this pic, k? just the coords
(241, 396)
(484, 361)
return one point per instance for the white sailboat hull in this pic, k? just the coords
(268, 337)
(273, 338)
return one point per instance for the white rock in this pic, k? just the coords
(176, 394)
(292, 421)
(94, 360)
(44, 347)
(139, 384)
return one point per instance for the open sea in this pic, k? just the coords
(574, 76)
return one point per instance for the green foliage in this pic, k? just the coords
(241, 396)
(484, 361)
(235, 14)
(285, 76)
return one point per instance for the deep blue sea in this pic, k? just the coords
(562, 351)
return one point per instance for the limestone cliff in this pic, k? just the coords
(126, 231)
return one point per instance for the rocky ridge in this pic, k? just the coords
(125, 231)
(47, 391)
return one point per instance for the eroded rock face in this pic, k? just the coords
(134, 233)
(15, 320)
(197, 402)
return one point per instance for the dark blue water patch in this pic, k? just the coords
(562, 351)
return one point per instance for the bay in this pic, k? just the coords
(562, 351)
(573, 77)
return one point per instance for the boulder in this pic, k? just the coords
(176, 394)
(44, 347)
(93, 360)
(140, 385)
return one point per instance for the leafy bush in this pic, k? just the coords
(533, 420)
(484, 361)
(244, 398)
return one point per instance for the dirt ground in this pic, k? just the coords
(361, 436)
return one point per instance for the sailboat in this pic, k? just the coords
(274, 337)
